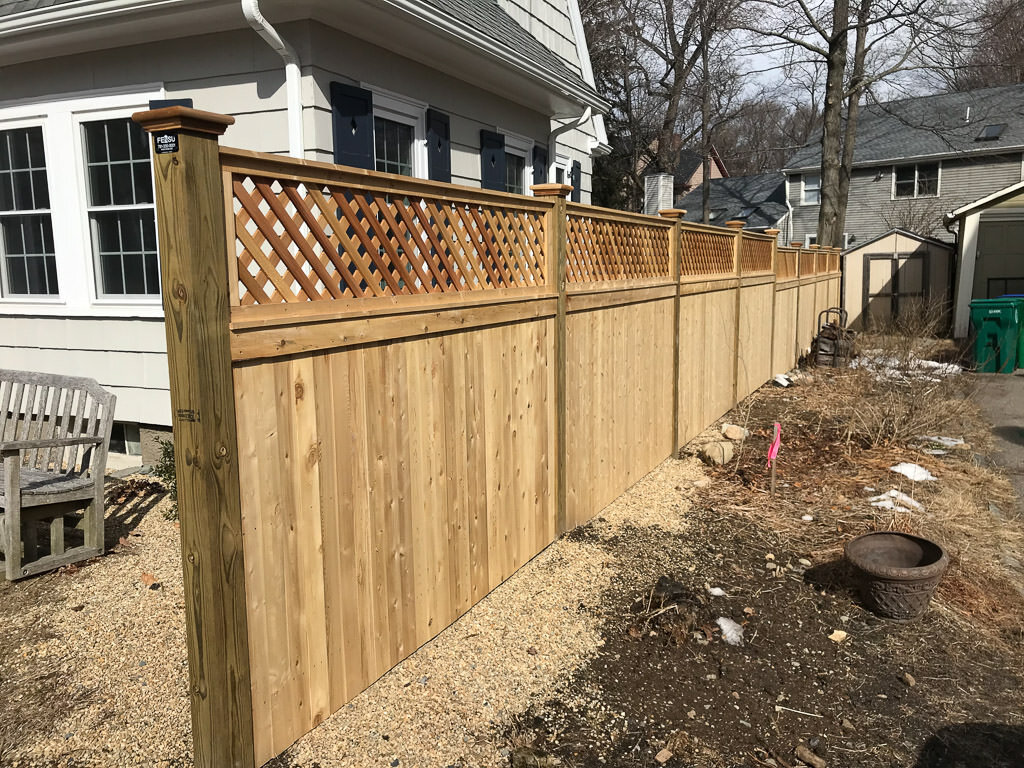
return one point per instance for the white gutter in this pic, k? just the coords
(553, 141)
(292, 73)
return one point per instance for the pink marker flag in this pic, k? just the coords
(773, 449)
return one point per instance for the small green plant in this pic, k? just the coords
(164, 469)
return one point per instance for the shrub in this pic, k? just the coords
(164, 470)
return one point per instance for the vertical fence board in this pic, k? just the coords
(409, 429)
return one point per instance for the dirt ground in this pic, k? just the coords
(606, 650)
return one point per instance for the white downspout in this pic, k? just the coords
(292, 73)
(553, 140)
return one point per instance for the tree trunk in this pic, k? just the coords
(832, 125)
(705, 120)
(855, 91)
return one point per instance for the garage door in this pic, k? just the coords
(1000, 260)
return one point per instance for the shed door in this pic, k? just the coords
(894, 286)
(1000, 265)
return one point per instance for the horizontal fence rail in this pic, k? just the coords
(390, 393)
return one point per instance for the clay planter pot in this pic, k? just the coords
(898, 572)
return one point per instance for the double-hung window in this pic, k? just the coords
(811, 194)
(26, 231)
(394, 143)
(518, 162)
(122, 222)
(917, 180)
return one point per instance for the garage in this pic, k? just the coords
(990, 238)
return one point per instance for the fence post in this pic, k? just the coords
(775, 293)
(194, 275)
(675, 261)
(737, 229)
(556, 244)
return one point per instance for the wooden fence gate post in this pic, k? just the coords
(555, 245)
(674, 270)
(194, 276)
(775, 294)
(737, 228)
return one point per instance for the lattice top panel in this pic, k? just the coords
(785, 262)
(601, 248)
(301, 241)
(755, 255)
(705, 252)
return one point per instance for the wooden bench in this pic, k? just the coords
(54, 434)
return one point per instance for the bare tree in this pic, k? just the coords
(886, 38)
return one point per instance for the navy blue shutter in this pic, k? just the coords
(439, 146)
(492, 160)
(575, 177)
(540, 164)
(352, 110)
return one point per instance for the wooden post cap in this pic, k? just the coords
(813, 247)
(735, 224)
(180, 118)
(551, 190)
(796, 244)
(672, 213)
(772, 232)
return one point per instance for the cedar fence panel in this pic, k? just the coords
(390, 394)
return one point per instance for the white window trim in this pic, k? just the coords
(563, 162)
(915, 196)
(52, 299)
(810, 240)
(60, 117)
(402, 109)
(137, 300)
(521, 146)
(803, 188)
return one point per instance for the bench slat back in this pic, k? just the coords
(43, 406)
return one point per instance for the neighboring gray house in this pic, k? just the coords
(758, 201)
(498, 93)
(916, 160)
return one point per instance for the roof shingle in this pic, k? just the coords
(931, 125)
(731, 196)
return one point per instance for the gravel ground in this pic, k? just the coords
(97, 653)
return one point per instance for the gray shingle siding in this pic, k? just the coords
(872, 210)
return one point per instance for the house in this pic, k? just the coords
(492, 93)
(915, 160)
(758, 201)
(991, 250)
(689, 172)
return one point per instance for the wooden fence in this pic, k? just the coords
(389, 394)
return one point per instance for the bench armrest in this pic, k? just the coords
(13, 446)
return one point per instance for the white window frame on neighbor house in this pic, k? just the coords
(810, 240)
(804, 186)
(61, 117)
(402, 109)
(563, 164)
(917, 181)
(520, 146)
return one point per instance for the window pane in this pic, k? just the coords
(99, 185)
(121, 183)
(23, 170)
(95, 142)
(393, 146)
(126, 248)
(928, 179)
(117, 157)
(29, 264)
(515, 169)
(142, 178)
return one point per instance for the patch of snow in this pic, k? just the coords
(782, 380)
(915, 472)
(732, 632)
(716, 592)
(886, 367)
(895, 496)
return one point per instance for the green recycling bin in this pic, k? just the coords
(1019, 298)
(996, 325)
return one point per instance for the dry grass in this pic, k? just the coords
(842, 430)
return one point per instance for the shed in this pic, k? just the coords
(991, 243)
(897, 275)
